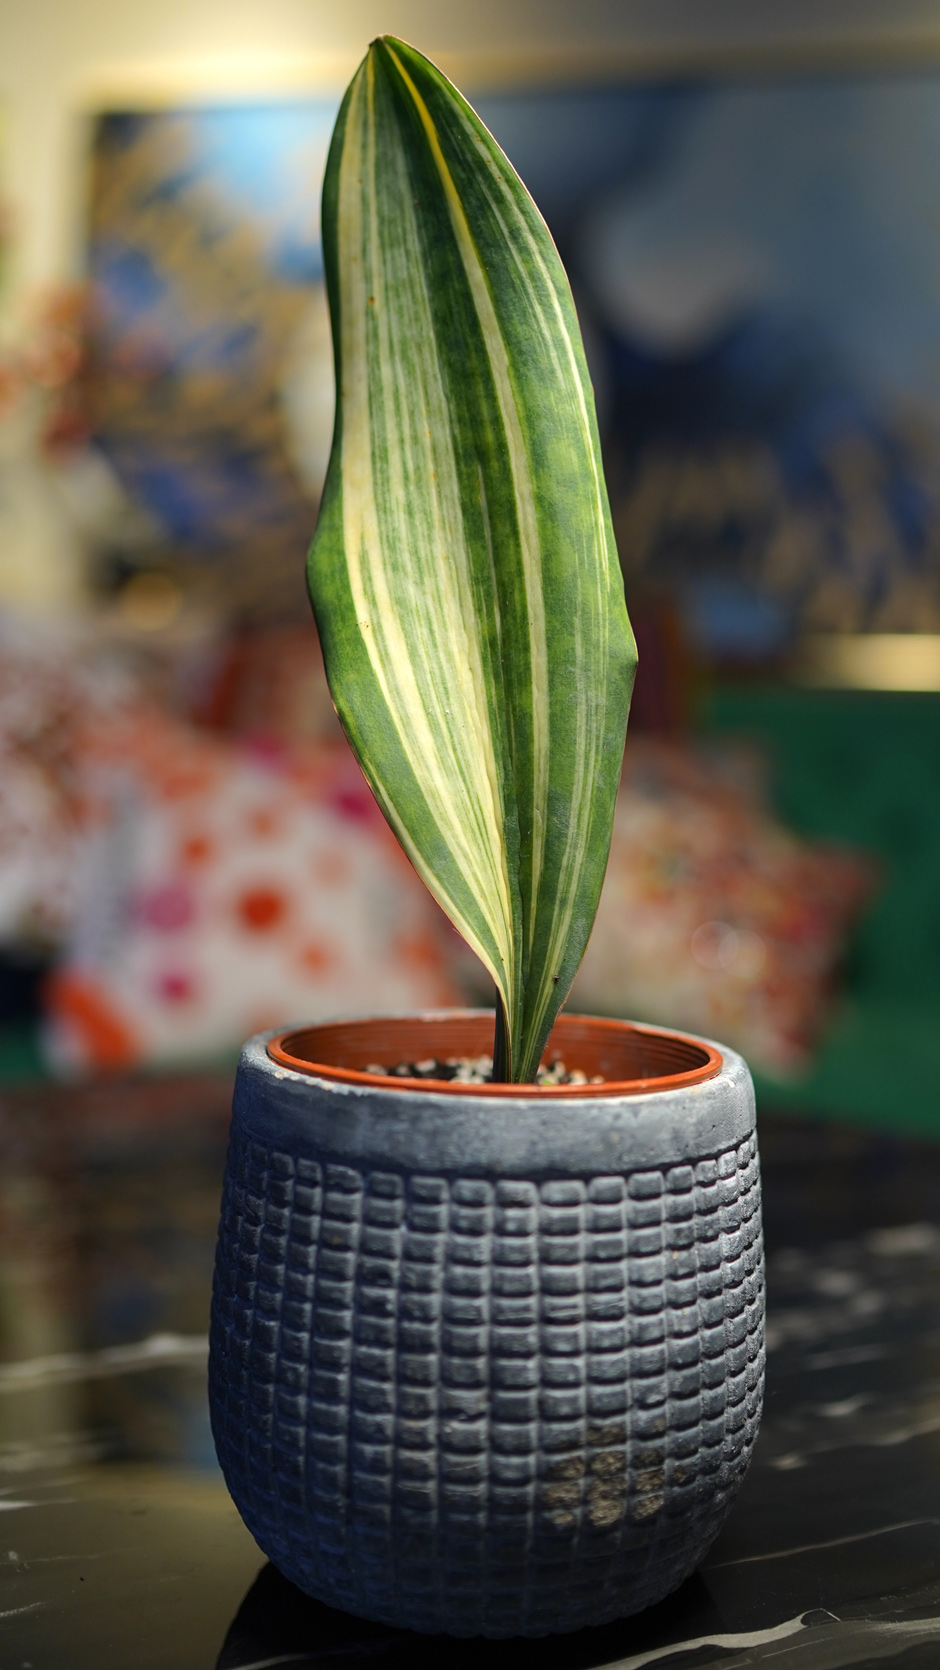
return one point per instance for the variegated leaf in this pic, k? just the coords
(463, 572)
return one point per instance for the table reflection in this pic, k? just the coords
(276, 1624)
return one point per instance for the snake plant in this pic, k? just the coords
(463, 571)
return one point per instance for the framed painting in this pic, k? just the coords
(756, 260)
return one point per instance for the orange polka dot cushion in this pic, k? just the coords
(226, 888)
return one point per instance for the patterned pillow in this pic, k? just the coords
(714, 918)
(233, 888)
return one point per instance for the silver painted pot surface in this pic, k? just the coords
(488, 1367)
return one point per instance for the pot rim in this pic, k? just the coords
(709, 1064)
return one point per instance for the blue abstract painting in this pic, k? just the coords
(757, 269)
(757, 265)
(213, 366)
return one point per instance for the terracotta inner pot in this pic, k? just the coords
(631, 1059)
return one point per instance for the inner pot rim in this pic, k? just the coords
(706, 1061)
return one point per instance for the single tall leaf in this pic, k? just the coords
(463, 572)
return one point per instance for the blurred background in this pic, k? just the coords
(747, 199)
(749, 209)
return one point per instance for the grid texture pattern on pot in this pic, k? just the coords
(498, 1408)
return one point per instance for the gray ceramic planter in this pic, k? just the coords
(486, 1365)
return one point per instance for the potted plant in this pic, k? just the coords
(486, 1357)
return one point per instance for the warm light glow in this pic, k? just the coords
(871, 661)
(157, 82)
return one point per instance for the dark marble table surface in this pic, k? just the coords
(120, 1549)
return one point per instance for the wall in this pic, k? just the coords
(60, 57)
